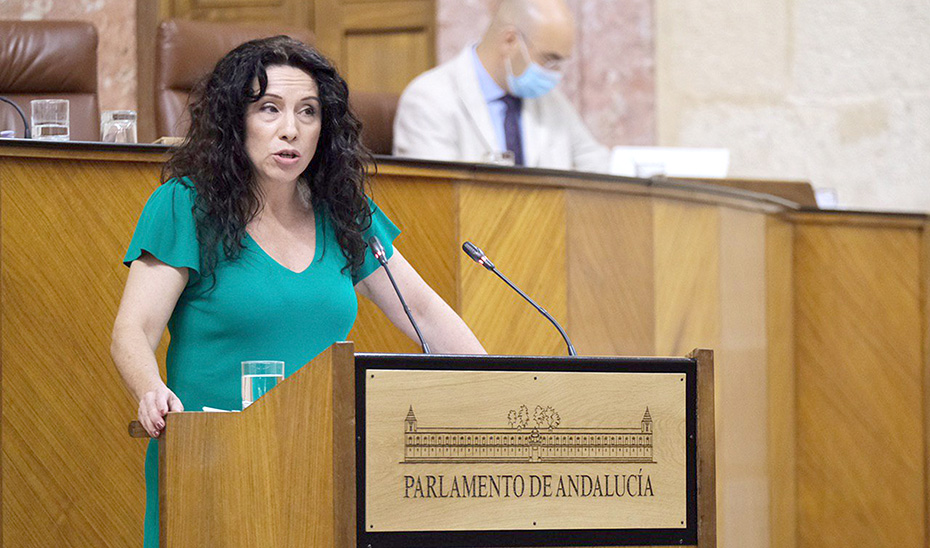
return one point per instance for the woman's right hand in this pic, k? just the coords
(152, 291)
(153, 407)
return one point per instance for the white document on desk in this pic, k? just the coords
(646, 162)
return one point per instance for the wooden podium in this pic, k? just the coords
(281, 473)
(333, 457)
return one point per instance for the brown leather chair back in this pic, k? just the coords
(376, 112)
(50, 60)
(187, 51)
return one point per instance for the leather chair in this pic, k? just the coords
(186, 52)
(376, 112)
(50, 60)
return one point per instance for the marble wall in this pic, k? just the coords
(610, 79)
(837, 93)
(116, 27)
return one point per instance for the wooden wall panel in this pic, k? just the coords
(611, 307)
(523, 232)
(861, 458)
(378, 46)
(384, 61)
(740, 390)
(782, 402)
(422, 210)
(71, 476)
(290, 12)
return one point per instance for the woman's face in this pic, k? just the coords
(282, 128)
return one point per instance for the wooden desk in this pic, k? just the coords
(818, 320)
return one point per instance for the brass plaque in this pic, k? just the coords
(524, 450)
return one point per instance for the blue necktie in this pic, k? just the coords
(512, 136)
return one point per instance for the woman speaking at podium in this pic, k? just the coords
(254, 246)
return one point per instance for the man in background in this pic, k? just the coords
(500, 96)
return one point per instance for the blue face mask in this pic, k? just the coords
(535, 81)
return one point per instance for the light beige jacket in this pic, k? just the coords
(442, 115)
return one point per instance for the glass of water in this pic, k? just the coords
(51, 119)
(259, 377)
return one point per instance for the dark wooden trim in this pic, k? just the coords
(864, 218)
(706, 453)
(925, 350)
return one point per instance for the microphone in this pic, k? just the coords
(479, 257)
(27, 133)
(378, 251)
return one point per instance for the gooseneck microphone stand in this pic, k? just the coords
(479, 257)
(378, 251)
(27, 132)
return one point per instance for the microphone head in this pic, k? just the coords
(477, 255)
(472, 251)
(374, 244)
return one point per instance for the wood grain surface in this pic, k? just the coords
(276, 474)
(861, 449)
(741, 383)
(844, 309)
(925, 327)
(708, 536)
(611, 293)
(587, 404)
(523, 233)
(687, 262)
(422, 208)
(379, 46)
(386, 57)
(782, 393)
(68, 469)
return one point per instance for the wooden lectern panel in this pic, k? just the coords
(861, 451)
(611, 287)
(740, 390)
(523, 231)
(687, 257)
(421, 209)
(280, 473)
(782, 419)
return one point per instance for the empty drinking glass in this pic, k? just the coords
(118, 126)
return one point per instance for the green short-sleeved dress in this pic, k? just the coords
(256, 310)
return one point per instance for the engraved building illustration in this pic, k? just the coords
(520, 443)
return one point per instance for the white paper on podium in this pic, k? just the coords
(711, 163)
(215, 410)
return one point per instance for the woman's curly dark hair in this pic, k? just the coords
(213, 155)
